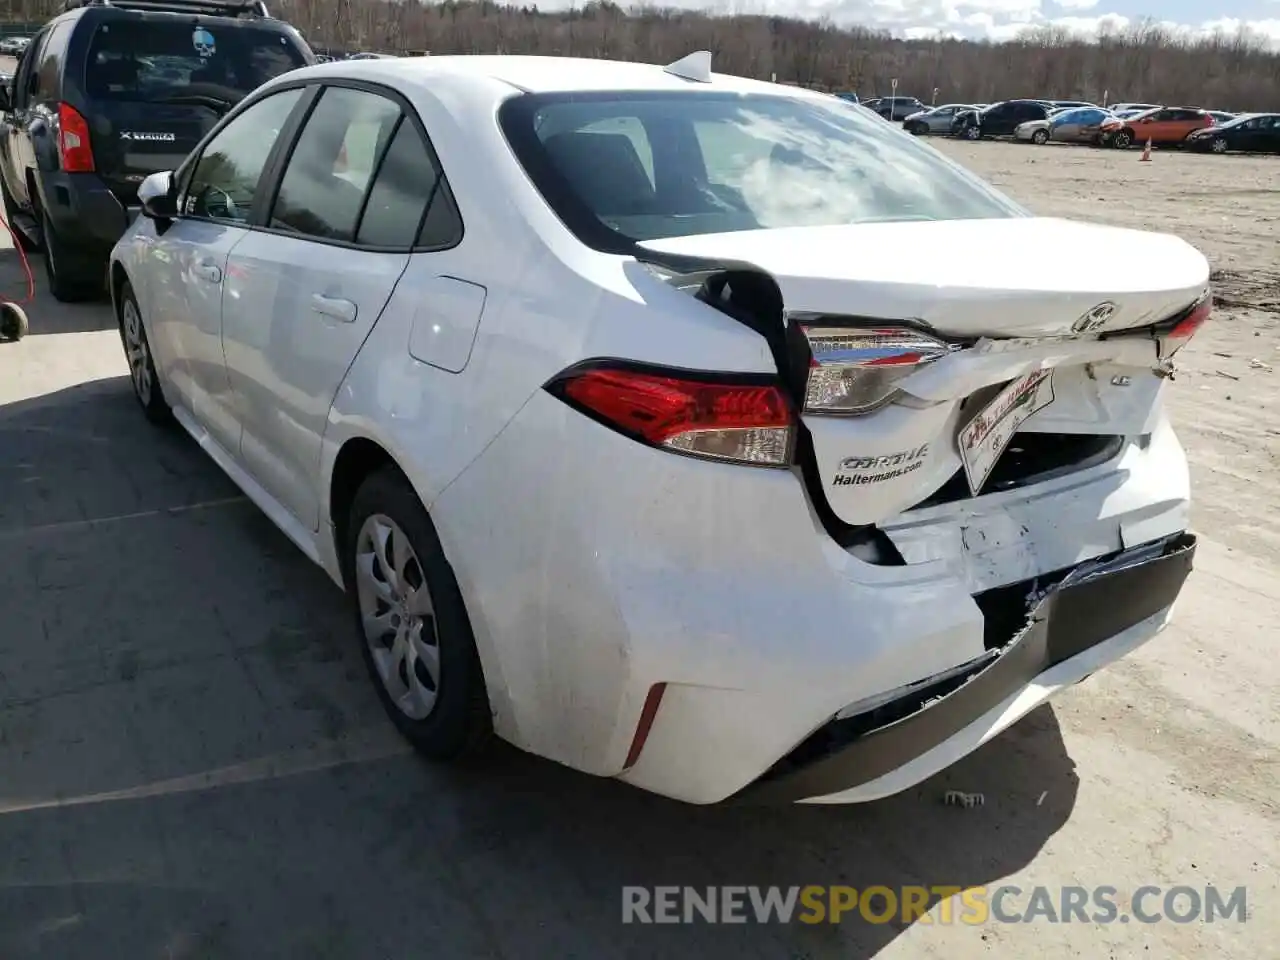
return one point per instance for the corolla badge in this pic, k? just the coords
(1094, 318)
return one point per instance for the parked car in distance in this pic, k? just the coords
(1222, 116)
(108, 94)
(1072, 125)
(13, 46)
(1136, 107)
(1064, 104)
(572, 506)
(895, 109)
(934, 121)
(1249, 133)
(1163, 126)
(998, 120)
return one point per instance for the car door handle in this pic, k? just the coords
(208, 271)
(335, 307)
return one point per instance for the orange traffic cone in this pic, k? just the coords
(1146, 152)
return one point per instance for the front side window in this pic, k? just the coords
(175, 61)
(634, 167)
(224, 182)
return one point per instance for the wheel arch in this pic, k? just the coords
(117, 277)
(358, 456)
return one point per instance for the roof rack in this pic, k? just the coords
(213, 8)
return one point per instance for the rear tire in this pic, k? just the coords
(69, 282)
(444, 714)
(1122, 140)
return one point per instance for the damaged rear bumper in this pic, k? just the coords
(1036, 632)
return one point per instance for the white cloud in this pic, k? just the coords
(971, 19)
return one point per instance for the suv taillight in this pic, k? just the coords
(854, 371)
(73, 140)
(732, 418)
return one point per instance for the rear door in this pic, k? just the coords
(304, 291)
(155, 85)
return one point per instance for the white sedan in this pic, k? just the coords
(681, 428)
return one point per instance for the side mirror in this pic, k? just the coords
(155, 194)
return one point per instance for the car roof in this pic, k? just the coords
(533, 74)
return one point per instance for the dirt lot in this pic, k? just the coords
(192, 763)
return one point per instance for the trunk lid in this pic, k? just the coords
(1015, 326)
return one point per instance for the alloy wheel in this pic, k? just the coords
(135, 346)
(1219, 145)
(398, 616)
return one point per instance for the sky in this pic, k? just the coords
(1003, 19)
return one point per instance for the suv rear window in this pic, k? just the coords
(154, 61)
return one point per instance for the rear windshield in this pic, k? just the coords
(622, 168)
(149, 60)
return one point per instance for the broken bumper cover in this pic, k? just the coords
(1077, 611)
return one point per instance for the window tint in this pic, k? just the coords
(28, 74)
(325, 181)
(724, 163)
(50, 60)
(152, 60)
(225, 179)
(408, 181)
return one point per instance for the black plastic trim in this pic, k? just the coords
(1104, 598)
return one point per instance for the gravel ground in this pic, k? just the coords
(192, 763)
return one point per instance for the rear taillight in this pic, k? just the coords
(855, 371)
(739, 419)
(73, 140)
(1185, 327)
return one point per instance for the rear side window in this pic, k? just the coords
(51, 56)
(408, 182)
(154, 60)
(360, 172)
(332, 164)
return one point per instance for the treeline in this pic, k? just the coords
(1143, 62)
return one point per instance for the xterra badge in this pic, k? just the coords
(153, 137)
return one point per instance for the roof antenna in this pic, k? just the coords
(696, 67)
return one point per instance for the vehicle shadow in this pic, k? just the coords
(193, 762)
(47, 315)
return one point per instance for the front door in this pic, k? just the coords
(303, 294)
(190, 261)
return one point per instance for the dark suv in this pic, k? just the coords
(997, 120)
(109, 92)
(895, 109)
